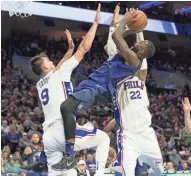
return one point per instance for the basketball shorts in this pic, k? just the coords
(87, 91)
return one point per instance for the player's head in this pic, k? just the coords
(144, 49)
(41, 64)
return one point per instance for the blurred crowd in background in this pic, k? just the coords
(158, 12)
(22, 115)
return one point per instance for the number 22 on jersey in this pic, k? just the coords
(135, 95)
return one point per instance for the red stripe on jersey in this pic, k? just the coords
(64, 89)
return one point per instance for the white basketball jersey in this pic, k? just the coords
(53, 89)
(132, 104)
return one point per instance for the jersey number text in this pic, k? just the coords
(45, 96)
(135, 95)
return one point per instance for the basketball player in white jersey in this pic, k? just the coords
(53, 88)
(138, 140)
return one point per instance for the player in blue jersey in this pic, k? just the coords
(126, 63)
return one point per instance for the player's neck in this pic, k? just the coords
(44, 74)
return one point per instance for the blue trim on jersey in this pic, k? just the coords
(82, 132)
(67, 88)
(119, 147)
(116, 110)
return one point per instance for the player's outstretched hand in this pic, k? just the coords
(98, 17)
(69, 39)
(131, 14)
(115, 19)
(186, 105)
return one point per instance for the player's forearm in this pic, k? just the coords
(118, 37)
(119, 32)
(67, 56)
(86, 43)
(187, 121)
(111, 47)
(89, 38)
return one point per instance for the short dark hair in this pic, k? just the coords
(36, 63)
(149, 48)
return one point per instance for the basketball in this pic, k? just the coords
(140, 23)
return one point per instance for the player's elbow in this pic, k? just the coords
(114, 36)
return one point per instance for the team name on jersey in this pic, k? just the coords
(43, 82)
(133, 84)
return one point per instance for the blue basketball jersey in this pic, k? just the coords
(112, 72)
(103, 79)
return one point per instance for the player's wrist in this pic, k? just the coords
(96, 23)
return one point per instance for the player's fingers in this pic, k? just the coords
(117, 7)
(99, 7)
(68, 32)
(183, 102)
(186, 100)
(68, 36)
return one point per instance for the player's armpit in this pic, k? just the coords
(142, 74)
(68, 66)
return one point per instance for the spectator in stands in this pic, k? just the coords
(13, 138)
(112, 156)
(82, 169)
(189, 163)
(165, 151)
(91, 163)
(171, 143)
(175, 158)
(183, 166)
(24, 141)
(33, 149)
(5, 127)
(170, 167)
(12, 167)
